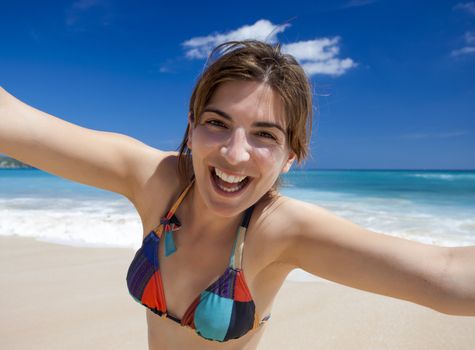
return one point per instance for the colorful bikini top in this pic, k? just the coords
(223, 311)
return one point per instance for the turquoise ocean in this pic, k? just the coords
(434, 207)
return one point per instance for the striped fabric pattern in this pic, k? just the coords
(223, 311)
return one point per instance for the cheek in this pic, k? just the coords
(205, 140)
(268, 157)
(265, 154)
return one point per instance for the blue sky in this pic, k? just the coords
(394, 81)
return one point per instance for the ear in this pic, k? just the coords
(190, 129)
(289, 162)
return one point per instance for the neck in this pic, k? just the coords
(203, 223)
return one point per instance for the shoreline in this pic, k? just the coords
(63, 297)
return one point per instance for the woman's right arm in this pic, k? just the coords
(101, 159)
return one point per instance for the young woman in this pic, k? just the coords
(218, 238)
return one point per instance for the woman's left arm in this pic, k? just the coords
(441, 278)
(461, 280)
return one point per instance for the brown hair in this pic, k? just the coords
(255, 61)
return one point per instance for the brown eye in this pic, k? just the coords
(217, 123)
(266, 135)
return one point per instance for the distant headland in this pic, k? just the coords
(10, 163)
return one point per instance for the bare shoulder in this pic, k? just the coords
(283, 215)
(155, 182)
(276, 220)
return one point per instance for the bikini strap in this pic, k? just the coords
(180, 199)
(168, 218)
(236, 256)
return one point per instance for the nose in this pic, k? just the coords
(237, 149)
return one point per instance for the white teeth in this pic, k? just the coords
(234, 189)
(228, 178)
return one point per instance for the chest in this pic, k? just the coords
(198, 263)
(185, 274)
(191, 269)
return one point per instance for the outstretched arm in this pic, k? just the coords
(106, 160)
(333, 248)
(461, 281)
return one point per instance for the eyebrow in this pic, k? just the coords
(258, 124)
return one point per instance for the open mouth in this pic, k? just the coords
(228, 184)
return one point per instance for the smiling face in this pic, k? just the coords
(239, 146)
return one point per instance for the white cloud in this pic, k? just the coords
(469, 37)
(320, 49)
(467, 50)
(318, 56)
(262, 30)
(467, 7)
